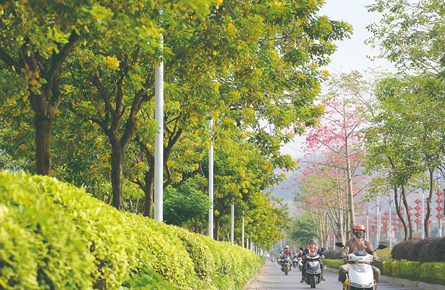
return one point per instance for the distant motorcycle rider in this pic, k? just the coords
(311, 249)
(286, 254)
(358, 243)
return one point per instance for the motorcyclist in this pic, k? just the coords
(312, 249)
(357, 243)
(286, 254)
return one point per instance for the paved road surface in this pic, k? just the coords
(271, 278)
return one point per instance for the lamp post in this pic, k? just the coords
(232, 223)
(211, 181)
(242, 233)
(159, 140)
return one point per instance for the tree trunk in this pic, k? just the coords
(197, 229)
(216, 229)
(428, 205)
(43, 126)
(405, 203)
(350, 191)
(399, 214)
(117, 157)
(148, 190)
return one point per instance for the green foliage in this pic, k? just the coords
(412, 270)
(302, 229)
(56, 236)
(185, 203)
(335, 264)
(146, 280)
(40, 245)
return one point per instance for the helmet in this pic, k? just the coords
(359, 227)
(286, 247)
(312, 241)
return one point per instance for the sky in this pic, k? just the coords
(351, 53)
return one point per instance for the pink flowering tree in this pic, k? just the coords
(338, 136)
(322, 183)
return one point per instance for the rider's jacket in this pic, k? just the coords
(352, 245)
(286, 254)
(315, 251)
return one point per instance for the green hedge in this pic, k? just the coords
(333, 263)
(412, 270)
(55, 236)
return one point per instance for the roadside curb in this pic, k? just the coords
(402, 282)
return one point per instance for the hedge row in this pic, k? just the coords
(426, 250)
(54, 236)
(427, 272)
(335, 264)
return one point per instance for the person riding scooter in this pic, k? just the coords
(358, 243)
(311, 249)
(286, 254)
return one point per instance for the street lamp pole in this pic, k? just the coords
(159, 140)
(242, 233)
(232, 223)
(211, 181)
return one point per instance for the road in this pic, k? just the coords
(271, 278)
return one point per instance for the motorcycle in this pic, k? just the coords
(294, 262)
(286, 265)
(313, 273)
(360, 274)
(272, 259)
(300, 263)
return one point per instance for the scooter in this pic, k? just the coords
(360, 274)
(313, 269)
(300, 264)
(286, 265)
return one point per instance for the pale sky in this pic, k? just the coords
(351, 53)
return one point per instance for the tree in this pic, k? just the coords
(302, 229)
(406, 137)
(410, 33)
(185, 203)
(38, 38)
(339, 130)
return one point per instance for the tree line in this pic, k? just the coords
(77, 85)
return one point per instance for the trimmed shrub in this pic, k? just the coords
(333, 254)
(433, 252)
(55, 236)
(333, 263)
(40, 246)
(403, 250)
(412, 270)
(420, 251)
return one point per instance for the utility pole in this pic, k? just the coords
(211, 180)
(242, 234)
(159, 140)
(232, 223)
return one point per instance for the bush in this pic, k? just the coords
(55, 236)
(423, 250)
(333, 254)
(40, 246)
(418, 251)
(333, 263)
(412, 270)
(403, 250)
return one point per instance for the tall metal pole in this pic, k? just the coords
(379, 204)
(159, 140)
(242, 234)
(390, 226)
(211, 181)
(423, 214)
(367, 222)
(232, 223)
(247, 243)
